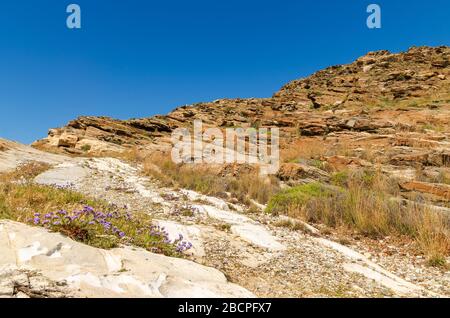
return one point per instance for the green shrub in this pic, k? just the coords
(86, 148)
(340, 178)
(295, 197)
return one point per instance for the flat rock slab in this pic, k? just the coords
(19, 154)
(63, 175)
(363, 266)
(257, 235)
(244, 227)
(120, 272)
(129, 174)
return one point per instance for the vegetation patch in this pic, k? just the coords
(93, 222)
(295, 197)
(244, 187)
(365, 205)
(86, 148)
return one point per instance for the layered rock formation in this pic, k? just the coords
(353, 97)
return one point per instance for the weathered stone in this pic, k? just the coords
(440, 190)
(341, 163)
(67, 140)
(296, 171)
(412, 158)
(94, 272)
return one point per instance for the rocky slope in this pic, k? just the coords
(259, 257)
(367, 95)
(388, 112)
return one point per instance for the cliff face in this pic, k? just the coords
(379, 84)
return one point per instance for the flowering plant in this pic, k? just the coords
(110, 229)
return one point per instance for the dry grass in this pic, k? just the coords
(317, 148)
(207, 180)
(292, 224)
(134, 154)
(20, 198)
(304, 148)
(26, 171)
(364, 205)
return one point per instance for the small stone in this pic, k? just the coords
(22, 295)
(20, 279)
(38, 283)
(7, 289)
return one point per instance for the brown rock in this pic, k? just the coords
(437, 189)
(411, 158)
(67, 140)
(358, 97)
(341, 163)
(297, 171)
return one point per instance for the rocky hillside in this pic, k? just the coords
(234, 254)
(359, 207)
(390, 111)
(379, 92)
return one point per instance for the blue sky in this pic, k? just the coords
(137, 58)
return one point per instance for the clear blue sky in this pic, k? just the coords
(138, 58)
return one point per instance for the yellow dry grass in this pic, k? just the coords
(207, 180)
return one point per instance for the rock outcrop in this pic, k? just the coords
(86, 271)
(367, 95)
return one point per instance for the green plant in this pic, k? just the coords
(340, 178)
(86, 148)
(295, 197)
(87, 220)
(365, 206)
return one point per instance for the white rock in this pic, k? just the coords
(121, 272)
(190, 234)
(64, 174)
